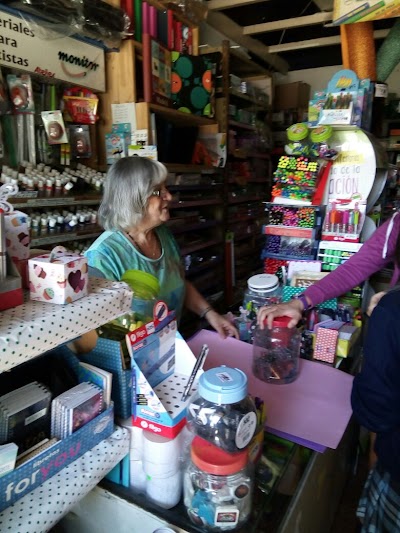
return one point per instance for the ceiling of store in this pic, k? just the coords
(284, 34)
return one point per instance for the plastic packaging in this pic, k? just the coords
(221, 412)
(217, 487)
(263, 289)
(276, 352)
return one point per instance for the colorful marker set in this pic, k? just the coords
(343, 220)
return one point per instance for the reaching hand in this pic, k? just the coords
(222, 325)
(374, 302)
(293, 309)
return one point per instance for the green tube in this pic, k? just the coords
(388, 55)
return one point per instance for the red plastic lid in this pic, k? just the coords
(213, 460)
(281, 321)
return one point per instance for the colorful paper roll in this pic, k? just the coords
(358, 48)
(388, 55)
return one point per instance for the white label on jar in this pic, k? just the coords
(224, 377)
(226, 515)
(245, 430)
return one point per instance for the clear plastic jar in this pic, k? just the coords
(276, 352)
(221, 412)
(263, 289)
(145, 289)
(217, 487)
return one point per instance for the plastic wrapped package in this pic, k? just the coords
(89, 18)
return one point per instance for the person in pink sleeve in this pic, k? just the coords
(382, 248)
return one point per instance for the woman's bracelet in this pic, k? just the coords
(206, 310)
(304, 301)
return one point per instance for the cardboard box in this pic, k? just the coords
(59, 278)
(161, 410)
(152, 347)
(291, 95)
(11, 293)
(28, 476)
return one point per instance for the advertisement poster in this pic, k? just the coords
(30, 48)
(350, 11)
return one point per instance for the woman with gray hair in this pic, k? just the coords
(133, 212)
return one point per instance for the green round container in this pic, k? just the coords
(144, 285)
(297, 132)
(321, 134)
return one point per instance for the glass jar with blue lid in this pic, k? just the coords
(222, 412)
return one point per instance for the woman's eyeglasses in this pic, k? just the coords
(162, 192)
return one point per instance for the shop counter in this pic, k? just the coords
(313, 414)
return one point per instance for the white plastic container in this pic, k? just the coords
(262, 289)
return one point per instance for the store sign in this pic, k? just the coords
(350, 11)
(26, 46)
(353, 173)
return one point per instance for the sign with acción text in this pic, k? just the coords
(26, 46)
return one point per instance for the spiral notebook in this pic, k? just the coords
(75, 408)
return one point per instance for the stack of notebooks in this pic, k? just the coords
(75, 408)
(25, 415)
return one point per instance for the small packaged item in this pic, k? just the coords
(319, 138)
(21, 95)
(81, 105)
(54, 125)
(79, 138)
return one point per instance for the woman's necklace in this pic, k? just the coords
(152, 251)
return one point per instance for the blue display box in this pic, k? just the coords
(28, 476)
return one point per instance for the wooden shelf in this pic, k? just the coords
(248, 99)
(55, 238)
(179, 118)
(193, 203)
(55, 201)
(182, 168)
(184, 228)
(243, 199)
(200, 246)
(241, 125)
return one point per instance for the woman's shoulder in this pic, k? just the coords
(107, 240)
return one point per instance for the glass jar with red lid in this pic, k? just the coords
(218, 487)
(276, 352)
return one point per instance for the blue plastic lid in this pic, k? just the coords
(223, 385)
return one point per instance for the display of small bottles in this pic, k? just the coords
(49, 182)
(55, 220)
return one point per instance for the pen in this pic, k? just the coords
(198, 365)
(3, 252)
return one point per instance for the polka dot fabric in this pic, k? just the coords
(29, 330)
(42, 508)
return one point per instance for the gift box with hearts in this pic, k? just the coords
(59, 277)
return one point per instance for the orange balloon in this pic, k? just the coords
(207, 80)
(176, 83)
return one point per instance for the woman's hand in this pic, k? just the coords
(374, 302)
(221, 325)
(293, 309)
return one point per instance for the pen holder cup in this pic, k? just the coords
(221, 412)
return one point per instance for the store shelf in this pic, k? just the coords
(42, 508)
(200, 246)
(203, 266)
(193, 203)
(242, 125)
(242, 199)
(56, 238)
(179, 118)
(25, 200)
(248, 99)
(184, 228)
(33, 328)
(180, 168)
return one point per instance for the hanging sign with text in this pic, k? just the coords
(57, 57)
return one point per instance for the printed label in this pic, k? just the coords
(224, 377)
(226, 515)
(245, 430)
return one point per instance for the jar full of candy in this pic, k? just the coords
(217, 487)
(222, 412)
(276, 352)
(262, 289)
